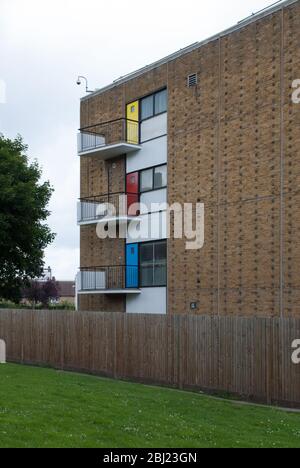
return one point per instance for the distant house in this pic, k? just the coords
(66, 291)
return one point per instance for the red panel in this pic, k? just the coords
(132, 198)
(132, 189)
(132, 182)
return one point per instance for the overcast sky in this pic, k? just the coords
(45, 45)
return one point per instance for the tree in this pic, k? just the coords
(33, 293)
(23, 211)
(50, 291)
(39, 292)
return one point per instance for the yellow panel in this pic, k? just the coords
(133, 111)
(132, 114)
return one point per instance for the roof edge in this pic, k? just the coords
(241, 24)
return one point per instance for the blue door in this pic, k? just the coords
(132, 269)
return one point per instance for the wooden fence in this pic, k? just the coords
(251, 357)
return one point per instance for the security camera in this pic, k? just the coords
(79, 81)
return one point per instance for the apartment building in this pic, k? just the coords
(213, 124)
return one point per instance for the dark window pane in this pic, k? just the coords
(146, 253)
(147, 107)
(160, 251)
(153, 264)
(147, 275)
(160, 177)
(146, 180)
(161, 102)
(160, 275)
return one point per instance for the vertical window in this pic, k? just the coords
(146, 260)
(146, 183)
(160, 176)
(160, 263)
(153, 264)
(147, 107)
(160, 102)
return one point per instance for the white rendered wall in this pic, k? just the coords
(150, 301)
(155, 196)
(152, 227)
(153, 128)
(153, 153)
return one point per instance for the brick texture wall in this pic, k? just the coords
(233, 144)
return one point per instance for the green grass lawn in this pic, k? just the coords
(46, 408)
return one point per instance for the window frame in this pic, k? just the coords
(153, 105)
(140, 180)
(154, 102)
(153, 174)
(153, 265)
(153, 108)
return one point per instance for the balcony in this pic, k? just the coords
(109, 139)
(109, 280)
(117, 207)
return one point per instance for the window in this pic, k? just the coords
(160, 177)
(160, 102)
(146, 180)
(153, 264)
(153, 179)
(154, 105)
(147, 108)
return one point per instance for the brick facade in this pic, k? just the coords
(233, 144)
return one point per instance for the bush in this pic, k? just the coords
(65, 305)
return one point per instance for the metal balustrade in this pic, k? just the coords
(107, 278)
(108, 133)
(90, 141)
(92, 209)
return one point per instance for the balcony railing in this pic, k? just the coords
(108, 279)
(109, 139)
(114, 205)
